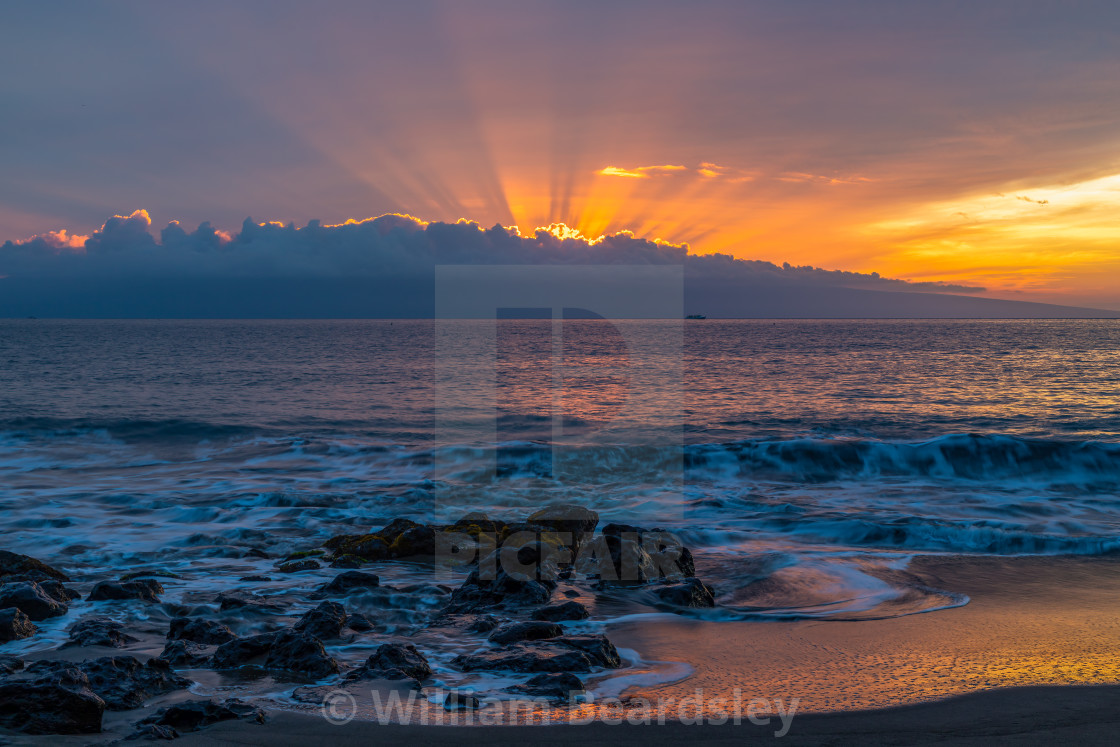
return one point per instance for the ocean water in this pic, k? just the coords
(804, 462)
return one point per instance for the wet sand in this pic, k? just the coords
(1088, 715)
(1030, 621)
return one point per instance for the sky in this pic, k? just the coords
(974, 145)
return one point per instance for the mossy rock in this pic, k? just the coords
(295, 566)
(401, 538)
(414, 542)
(341, 540)
(300, 555)
(476, 525)
(348, 561)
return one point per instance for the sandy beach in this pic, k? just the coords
(1032, 659)
(1030, 621)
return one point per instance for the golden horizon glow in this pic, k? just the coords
(1039, 239)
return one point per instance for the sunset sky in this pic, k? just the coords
(974, 143)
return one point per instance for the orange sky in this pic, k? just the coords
(974, 146)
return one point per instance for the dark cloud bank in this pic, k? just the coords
(384, 267)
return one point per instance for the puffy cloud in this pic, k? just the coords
(55, 240)
(384, 267)
(391, 244)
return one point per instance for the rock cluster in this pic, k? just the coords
(503, 608)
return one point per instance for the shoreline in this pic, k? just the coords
(1035, 652)
(1034, 657)
(1030, 621)
(1086, 714)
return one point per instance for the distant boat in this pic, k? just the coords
(696, 316)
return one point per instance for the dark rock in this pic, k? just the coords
(10, 664)
(530, 551)
(326, 621)
(366, 547)
(598, 647)
(15, 625)
(31, 600)
(544, 656)
(199, 631)
(483, 624)
(296, 566)
(576, 521)
(301, 653)
(477, 526)
(460, 701)
(683, 559)
(56, 590)
(535, 630)
(121, 681)
(144, 589)
(347, 561)
(14, 564)
(153, 732)
(359, 622)
(691, 592)
(618, 560)
(393, 661)
(182, 653)
(256, 552)
(59, 702)
(575, 653)
(348, 581)
(99, 631)
(241, 651)
(193, 715)
(246, 602)
(618, 530)
(670, 557)
(408, 539)
(503, 590)
(555, 685)
(255, 578)
(564, 611)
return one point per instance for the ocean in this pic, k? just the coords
(803, 462)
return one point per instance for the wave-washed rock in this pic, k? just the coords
(554, 685)
(16, 567)
(31, 599)
(199, 631)
(143, 589)
(560, 654)
(14, 624)
(193, 715)
(288, 650)
(394, 661)
(98, 631)
(58, 701)
(123, 682)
